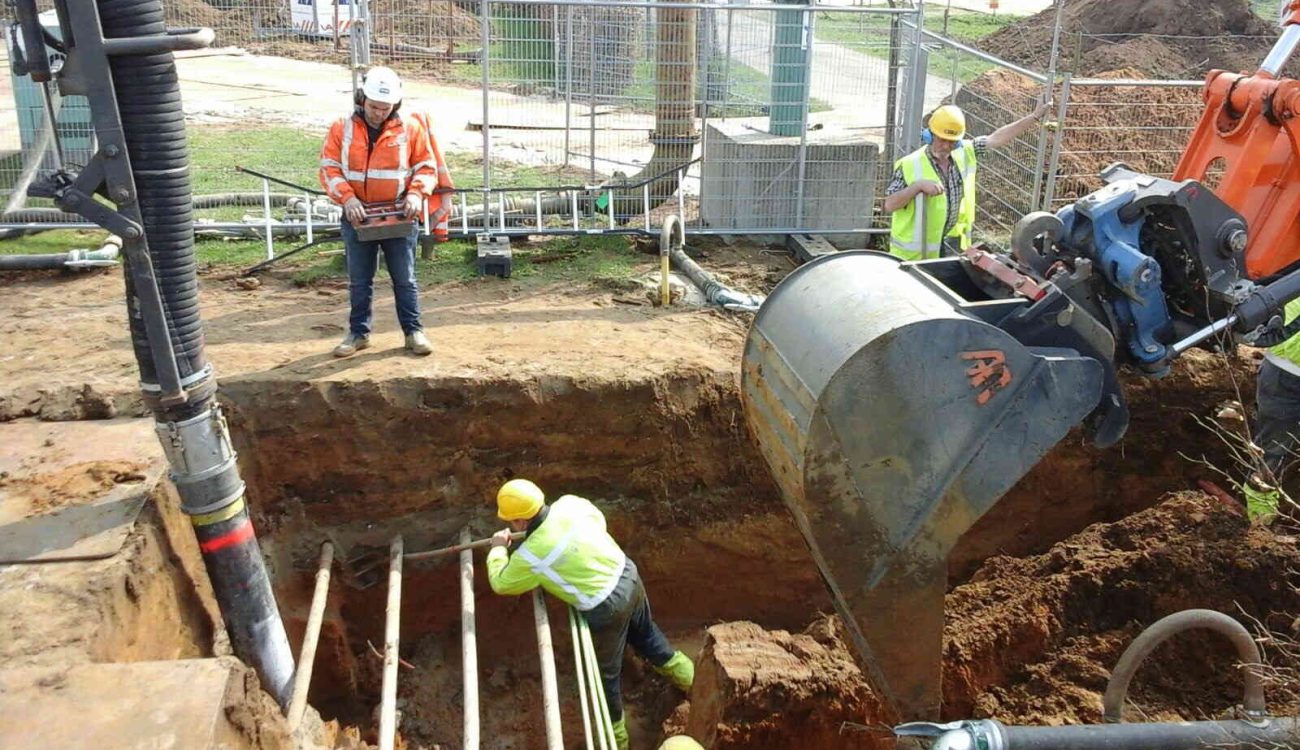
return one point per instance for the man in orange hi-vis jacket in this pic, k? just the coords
(377, 156)
(440, 202)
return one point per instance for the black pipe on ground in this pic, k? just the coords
(1189, 735)
(1262, 734)
(192, 430)
(73, 260)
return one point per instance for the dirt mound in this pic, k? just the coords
(1162, 38)
(1146, 127)
(771, 690)
(1033, 640)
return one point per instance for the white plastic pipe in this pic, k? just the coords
(392, 626)
(550, 689)
(307, 656)
(468, 644)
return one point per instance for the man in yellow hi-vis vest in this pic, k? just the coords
(931, 197)
(1277, 426)
(570, 554)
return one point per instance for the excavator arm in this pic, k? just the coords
(896, 402)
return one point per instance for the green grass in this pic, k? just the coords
(867, 35)
(292, 154)
(1265, 9)
(59, 241)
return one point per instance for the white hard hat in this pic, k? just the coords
(382, 85)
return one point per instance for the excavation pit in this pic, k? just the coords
(583, 391)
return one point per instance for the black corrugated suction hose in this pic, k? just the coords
(148, 95)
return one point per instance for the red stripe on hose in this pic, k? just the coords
(237, 535)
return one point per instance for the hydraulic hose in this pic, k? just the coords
(193, 432)
(715, 291)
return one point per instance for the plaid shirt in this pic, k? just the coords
(952, 179)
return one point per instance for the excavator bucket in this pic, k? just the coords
(893, 415)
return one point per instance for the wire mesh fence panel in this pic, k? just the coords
(799, 138)
(29, 147)
(1146, 127)
(859, 66)
(993, 95)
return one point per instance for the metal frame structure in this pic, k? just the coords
(597, 132)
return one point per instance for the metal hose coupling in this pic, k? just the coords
(968, 734)
(202, 461)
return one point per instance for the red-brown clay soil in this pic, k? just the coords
(1145, 127)
(585, 390)
(1032, 640)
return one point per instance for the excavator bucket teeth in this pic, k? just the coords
(892, 424)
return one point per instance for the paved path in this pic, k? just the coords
(854, 84)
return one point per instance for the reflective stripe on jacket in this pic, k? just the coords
(1288, 350)
(440, 203)
(570, 555)
(400, 160)
(910, 239)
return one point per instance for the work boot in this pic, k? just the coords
(351, 344)
(1262, 501)
(417, 343)
(620, 733)
(680, 670)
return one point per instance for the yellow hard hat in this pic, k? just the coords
(680, 743)
(519, 499)
(948, 122)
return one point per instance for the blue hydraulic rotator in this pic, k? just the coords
(1096, 223)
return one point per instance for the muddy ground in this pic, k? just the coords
(1033, 640)
(591, 389)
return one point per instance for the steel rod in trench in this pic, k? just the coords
(468, 642)
(392, 625)
(550, 688)
(582, 678)
(604, 724)
(307, 655)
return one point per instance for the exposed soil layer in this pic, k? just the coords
(1161, 38)
(1032, 640)
(149, 601)
(585, 390)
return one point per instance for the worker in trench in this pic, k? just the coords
(570, 554)
(378, 156)
(931, 196)
(1277, 428)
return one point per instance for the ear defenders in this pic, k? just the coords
(926, 136)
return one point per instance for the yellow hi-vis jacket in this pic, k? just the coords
(570, 555)
(1289, 349)
(911, 239)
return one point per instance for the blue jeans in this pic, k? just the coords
(623, 620)
(363, 261)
